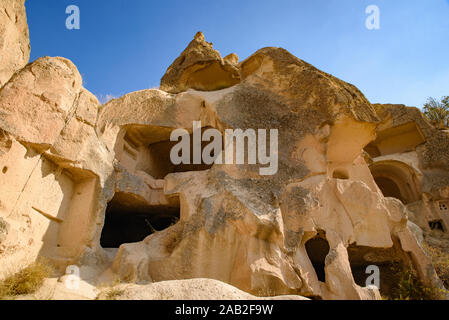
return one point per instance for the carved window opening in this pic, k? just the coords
(130, 220)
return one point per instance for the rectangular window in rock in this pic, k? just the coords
(130, 219)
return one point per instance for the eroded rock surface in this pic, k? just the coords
(14, 40)
(95, 186)
(201, 67)
(54, 167)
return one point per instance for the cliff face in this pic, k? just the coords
(95, 186)
(14, 40)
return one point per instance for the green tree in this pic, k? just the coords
(438, 111)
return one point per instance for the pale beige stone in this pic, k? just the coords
(201, 67)
(14, 39)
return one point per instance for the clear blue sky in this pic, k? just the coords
(126, 45)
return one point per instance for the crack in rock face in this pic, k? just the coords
(95, 185)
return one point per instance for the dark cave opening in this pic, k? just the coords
(149, 150)
(436, 225)
(317, 249)
(397, 180)
(160, 164)
(386, 259)
(128, 222)
(389, 188)
(340, 174)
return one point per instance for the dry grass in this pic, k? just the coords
(26, 281)
(410, 287)
(440, 260)
(114, 293)
(265, 291)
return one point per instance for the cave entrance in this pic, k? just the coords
(398, 180)
(148, 148)
(389, 188)
(317, 249)
(387, 259)
(436, 225)
(156, 160)
(129, 220)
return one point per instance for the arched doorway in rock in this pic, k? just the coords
(389, 188)
(397, 179)
(317, 249)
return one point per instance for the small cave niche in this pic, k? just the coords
(372, 150)
(399, 139)
(398, 180)
(317, 249)
(129, 220)
(340, 174)
(388, 260)
(389, 188)
(148, 149)
(158, 164)
(436, 225)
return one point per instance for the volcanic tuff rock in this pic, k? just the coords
(191, 289)
(201, 67)
(94, 185)
(14, 40)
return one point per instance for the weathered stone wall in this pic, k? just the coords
(14, 39)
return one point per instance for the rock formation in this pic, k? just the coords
(94, 186)
(201, 67)
(409, 161)
(14, 40)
